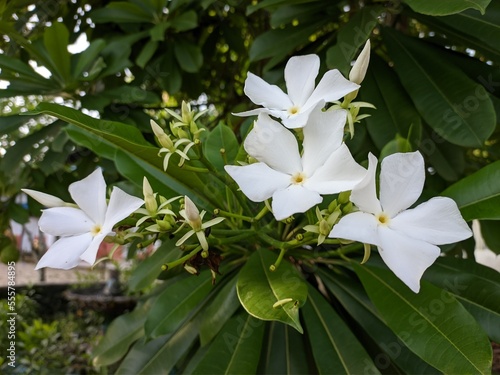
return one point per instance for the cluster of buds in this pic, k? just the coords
(185, 134)
(330, 216)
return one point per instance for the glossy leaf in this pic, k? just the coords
(286, 351)
(442, 8)
(221, 138)
(236, 349)
(188, 56)
(351, 37)
(221, 308)
(121, 333)
(259, 289)
(159, 356)
(150, 268)
(121, 11)
(478, 195)
(174, 305)
(335, 347)
(390, 353)
(491, 234)
(431, 319)
(56, 40)
(87, 58)
(395, 113)
(458, 109)
(476, 286)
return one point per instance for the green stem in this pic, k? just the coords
(261, 214)
(194, 169)
(181, 260)
(230, 214)
(276, 264)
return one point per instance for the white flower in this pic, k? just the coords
(406, 238)
(295, 182)
(81, 230)
(295, 107)
(193, 218)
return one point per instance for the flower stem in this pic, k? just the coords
(276, 264)
(218, 211)
(186, 257)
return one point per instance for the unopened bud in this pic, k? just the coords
(344, 197)
(192, 213)
(358, 71)
(163, 138)
(149, 197)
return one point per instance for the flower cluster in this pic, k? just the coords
(296, 158)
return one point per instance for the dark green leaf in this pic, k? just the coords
(188, 56)
(351, 37)
(389, 350)
(10, 123)
(121, 12)
(491, 234)
(56, 40)
(87, 58)
(150, 268)
(185, 21)
(458, 109)
(221, 138)
(174, 305)
(146, 53)
(120, 334)
(478, 195)
(431, 319)
(335, 348)
(443, 8)
(221, 308)
(236, 349)
(259, 289)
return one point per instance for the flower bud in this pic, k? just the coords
(358, 71)
(192, 214)
(149, 197)
(163, 138)
(46, 199)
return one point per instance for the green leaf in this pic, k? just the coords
(56, 40)
(188, 55)
(87, 58)
(10, 123)
(272, 4)
(236, 349)
(286, 351)
(259, 289)
(185, 21)
(175, 304)
(146, 53)
(221, 138)
(351, 37)
(335, 347)
(390, 351)
(443, 8)
(150, 268)
(395, 113)
(427, 321)
(121, 333)
(478, 195)
(458, 109)
(491, 235)
(476, 286)
(159, 356)
(223, 306)
(14, 65)
(131, 94)
(121, 12)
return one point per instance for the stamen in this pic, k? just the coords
(96, 229)
(383, 219)
(299, 178)
(293, 110)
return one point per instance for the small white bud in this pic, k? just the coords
(358, 71)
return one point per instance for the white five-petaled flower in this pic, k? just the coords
(296, 182)
(81, 230)
(406, 238)
(295, 107)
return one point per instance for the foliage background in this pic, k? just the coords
(433, 77)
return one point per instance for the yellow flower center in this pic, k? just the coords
(293, 110)
(383, 219)
(299, 178)
(96, 229)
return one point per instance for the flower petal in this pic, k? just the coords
(402, 179)
(332, 86)
(437, 221)
(271, 143)
(120, 206)
(46, 199)
(364, 194)
(298, 120)
(258, 181)
(90, 254)
(65, 252)
(90, 195)
(65, 221)
(293, 199)
(262, 93)
(357, 226)
(300, 76)
(339, 173)
(407, 257)
(322, 135)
